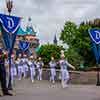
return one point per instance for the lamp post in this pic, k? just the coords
(9, 6)
(98, 78)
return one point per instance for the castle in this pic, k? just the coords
(28, 35)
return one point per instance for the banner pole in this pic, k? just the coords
(98, 78)
(9, 83)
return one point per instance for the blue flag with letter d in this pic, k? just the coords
(9, 26)
(95, 37)
(24, 45)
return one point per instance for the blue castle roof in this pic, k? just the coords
(21, 31)
(29, 31)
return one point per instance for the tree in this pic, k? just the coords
(48, 50)
(78, 39)
(74, 57)
(68, 33)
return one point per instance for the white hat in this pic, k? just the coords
(31, 56)
(62, 56)
(39, 58)
(62, 51)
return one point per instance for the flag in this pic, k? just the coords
(24, 45)
(95, 39)
(9, 27)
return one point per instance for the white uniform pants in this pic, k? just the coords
(40, 74)
(64, 77)
(32, 73)
(25, 68)
(53, 74)
(20, 71)
(13, 74)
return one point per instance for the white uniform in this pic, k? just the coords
(13, 71)
(53, 70)
(32, 70)
(25, 66)
(39, 67)
(64, 72)
(19, 63)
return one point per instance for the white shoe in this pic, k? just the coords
(19, 79)
(64, 85)
(32, 81)
(53, 82)
(40, 79)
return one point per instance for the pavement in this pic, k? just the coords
(44, 90)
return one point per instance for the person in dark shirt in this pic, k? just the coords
(3, 74)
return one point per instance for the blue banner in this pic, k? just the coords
(24, 45)
(95, 37)
(95, 51)
(9, 27)
(10, 23)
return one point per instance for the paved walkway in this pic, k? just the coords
(25, 90)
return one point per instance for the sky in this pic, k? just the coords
(49, 16)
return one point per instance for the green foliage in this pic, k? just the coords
(73, 57)
(78, 39)
(48, 50)
(68, 33)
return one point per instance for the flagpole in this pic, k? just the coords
(98, 78)
(98, 69)
(9, 5)
(9, 83)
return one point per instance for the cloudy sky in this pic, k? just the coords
(49, 16)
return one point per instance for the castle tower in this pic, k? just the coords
(29, 35)
(55, 40)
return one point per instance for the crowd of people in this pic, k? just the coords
(22, 66)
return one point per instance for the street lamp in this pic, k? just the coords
(9, 6)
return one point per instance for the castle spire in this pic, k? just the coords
(29, 29)
(55, 40)
(29, 22)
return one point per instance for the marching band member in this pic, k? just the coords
(64, 70)
(13, 69)
(19, 63)
(40, 64)
(52, 64)
(3, 56)
(25, 65)
(32, 68)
